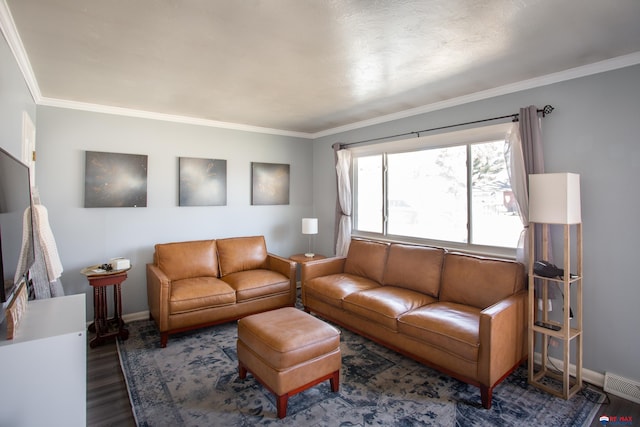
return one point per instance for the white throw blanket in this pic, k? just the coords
(47, 266)
(49, 249)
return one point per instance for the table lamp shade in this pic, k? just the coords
(309, 225)
(554, 198)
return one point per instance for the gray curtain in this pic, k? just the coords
(531, 147)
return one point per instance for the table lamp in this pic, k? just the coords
(310, 227)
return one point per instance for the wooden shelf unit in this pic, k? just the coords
(568, 333)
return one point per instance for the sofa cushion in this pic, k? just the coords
(449, 326)
(333, 288)
(384, 304)
(183, 260)
(258, 283)
(241, 253)
(479, 282)
(367, 259)
(414, 267)
(199, 293)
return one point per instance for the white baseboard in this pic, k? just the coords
(141, 315)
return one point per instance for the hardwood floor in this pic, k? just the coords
(107, 396)
(108, 399)
(618, 407)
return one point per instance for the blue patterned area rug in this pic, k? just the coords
(194, 382)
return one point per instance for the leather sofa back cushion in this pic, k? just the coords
(241, 253)
(366, 259)
(418, 268)
(479, 282)
(184, 260)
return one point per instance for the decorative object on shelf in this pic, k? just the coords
(119, 263)
(269, 184)
(554, 198)
(310, 227)
(114, 180)
(203, 182)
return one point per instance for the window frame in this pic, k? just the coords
(466, 137)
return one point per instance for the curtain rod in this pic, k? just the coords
(546, 110)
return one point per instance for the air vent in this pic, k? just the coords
(623, 387)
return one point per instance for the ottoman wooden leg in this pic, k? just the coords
(282, 405)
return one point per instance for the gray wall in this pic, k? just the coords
(594, 131)
(87, 236)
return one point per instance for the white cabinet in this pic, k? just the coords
(43, 370)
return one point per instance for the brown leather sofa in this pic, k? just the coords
(461, 314)
(205, 282)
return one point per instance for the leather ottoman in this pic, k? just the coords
(288, 351)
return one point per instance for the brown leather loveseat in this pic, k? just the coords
(201, 283)
(461, 314)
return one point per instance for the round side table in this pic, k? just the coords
(103, 327)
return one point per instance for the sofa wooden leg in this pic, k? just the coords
(242, 371)
(164, 337)
(282, 405)
(486, 394)
(335, 381)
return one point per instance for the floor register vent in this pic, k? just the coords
(623, 387)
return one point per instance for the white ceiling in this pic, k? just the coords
(305, 67)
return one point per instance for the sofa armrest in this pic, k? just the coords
(158, 293)
(283, 266)
(503, 337)
(286, 267)
(323, 267)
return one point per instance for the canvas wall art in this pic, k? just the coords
(203, 182)
(270, 184)
(115, 180)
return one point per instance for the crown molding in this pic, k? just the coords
(120, 111)
(570, 74)
(7, 25)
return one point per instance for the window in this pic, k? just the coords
(451, 189)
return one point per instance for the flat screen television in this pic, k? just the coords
(16, 256)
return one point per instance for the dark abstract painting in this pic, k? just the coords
(203, 182)
(115, 180)
(270, 184)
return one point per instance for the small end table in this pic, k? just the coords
(103, 327)
(302, 258)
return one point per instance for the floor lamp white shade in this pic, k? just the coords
(310, 227)
(554, 198)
